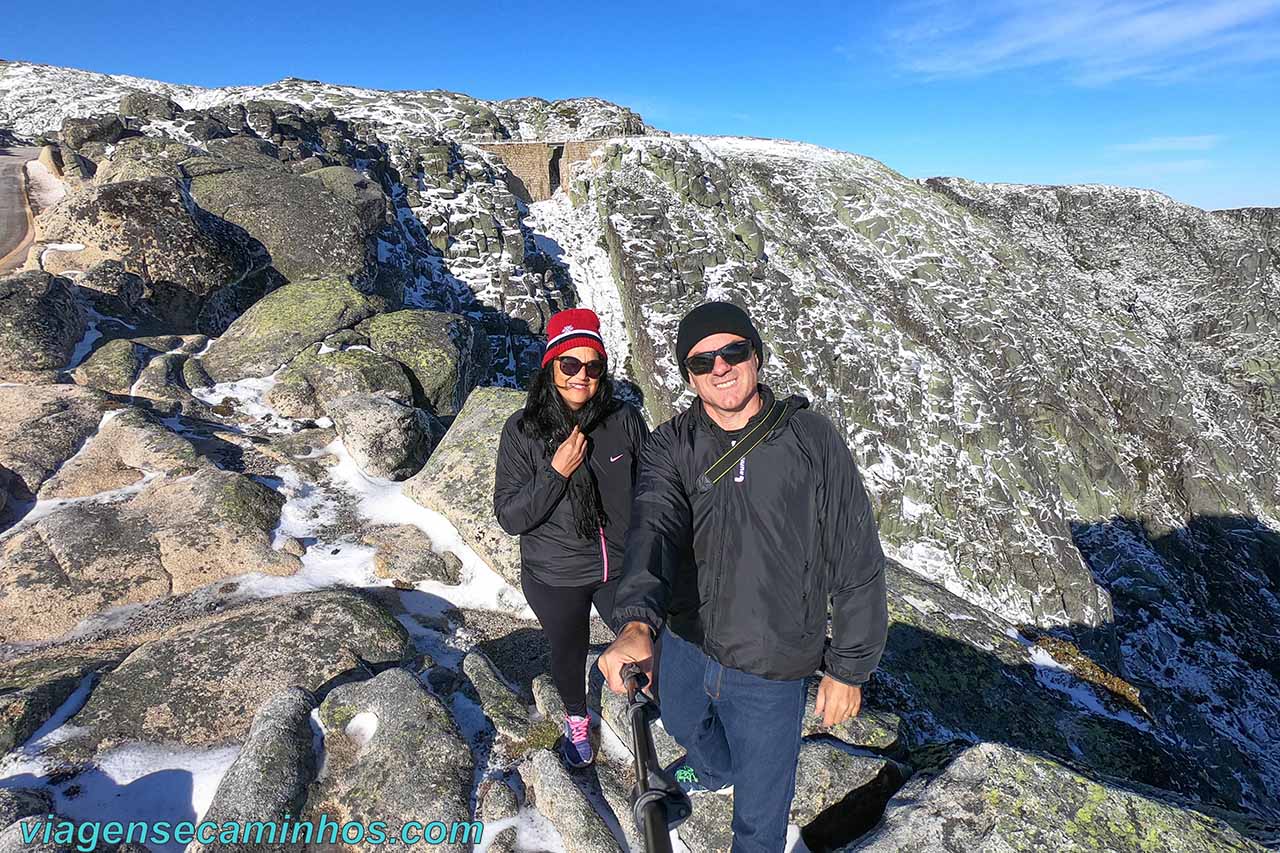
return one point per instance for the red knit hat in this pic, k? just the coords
(574, 327)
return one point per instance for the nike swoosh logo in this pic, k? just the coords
(616, 458)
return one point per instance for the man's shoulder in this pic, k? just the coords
(821, 438)
(814, 419)
(815, 425)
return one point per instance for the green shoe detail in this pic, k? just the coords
(686, 775)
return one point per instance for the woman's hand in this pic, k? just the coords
(570, 453)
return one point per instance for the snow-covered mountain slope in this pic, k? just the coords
(1059, 396)
(993, 385)
(37, 98)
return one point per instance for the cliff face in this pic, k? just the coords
(1064, 398)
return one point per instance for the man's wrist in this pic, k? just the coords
(637, 626)
(842, 680)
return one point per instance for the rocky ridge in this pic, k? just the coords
(247, 435)
(36, 98)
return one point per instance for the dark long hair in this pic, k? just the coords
(549, 420)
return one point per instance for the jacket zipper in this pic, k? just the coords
(604, 552)
(719, 570)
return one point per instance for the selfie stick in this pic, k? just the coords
(658, 803)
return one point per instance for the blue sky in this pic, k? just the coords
(1180, 96)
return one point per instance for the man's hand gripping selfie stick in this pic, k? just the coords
(658, 803)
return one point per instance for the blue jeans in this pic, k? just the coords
(739, 729)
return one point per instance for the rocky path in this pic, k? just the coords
(15, 217)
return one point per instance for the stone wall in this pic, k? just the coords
(576, 152)
(529, 164)
(539, 168)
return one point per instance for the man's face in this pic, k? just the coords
(728, 387)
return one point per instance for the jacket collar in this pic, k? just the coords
(702, 421)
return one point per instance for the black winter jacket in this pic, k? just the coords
(747, 568)
(531, 499)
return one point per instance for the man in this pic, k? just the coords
(735, 565)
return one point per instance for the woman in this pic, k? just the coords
(566, 464)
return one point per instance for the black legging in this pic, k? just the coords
(565, 614)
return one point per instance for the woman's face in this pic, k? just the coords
(576, 390)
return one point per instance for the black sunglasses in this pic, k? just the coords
(704, 362)
(570, 366)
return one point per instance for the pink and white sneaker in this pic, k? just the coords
(576, 746)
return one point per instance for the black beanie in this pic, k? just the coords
(713, 318)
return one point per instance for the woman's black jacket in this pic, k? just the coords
(531, 499)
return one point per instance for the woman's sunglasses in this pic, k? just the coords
(704, 362)
(570, 366)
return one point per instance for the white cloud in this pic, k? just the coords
(1092, 42)
(1170, 143)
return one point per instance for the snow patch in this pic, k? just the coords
(1055, 675)
(18, 766)
(85, 345)
(573, 237)
(362, 728)
(42, 508)
(317, 741)
(46, 248)
(134, 782)
(307, 508)
(923, 605)
(147, 782)
(384, 502)
(473, 725)
(795, 844)
(249, 399)
(137, 383)
(45, 508)
(323, 566)
(913, 510)
(533, 832)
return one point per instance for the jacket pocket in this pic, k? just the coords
(807, 596)
(793, 618)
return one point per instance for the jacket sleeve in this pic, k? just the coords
(659, 536)
(638, 432)
(855, 561)
(525, 491)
